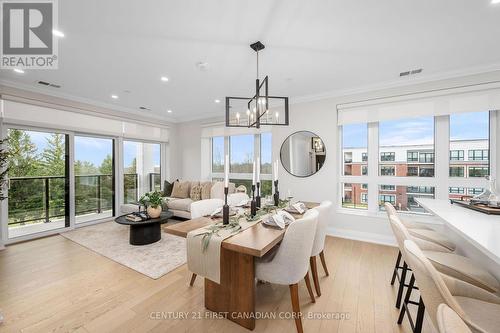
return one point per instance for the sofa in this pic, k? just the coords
(185, 201)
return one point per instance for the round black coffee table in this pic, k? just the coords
(145, 232)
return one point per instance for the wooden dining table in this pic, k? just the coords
(234, 296)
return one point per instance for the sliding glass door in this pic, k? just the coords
(141, 169)
(38, 182)
(94, 178)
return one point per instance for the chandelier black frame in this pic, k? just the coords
(261, 100)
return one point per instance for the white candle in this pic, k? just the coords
(226, 172)
(258, 169)
(253, 173)
(276, 170)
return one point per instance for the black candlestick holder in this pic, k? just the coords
(225, 208)
(253, 205)
(257, 198)
(276, 194)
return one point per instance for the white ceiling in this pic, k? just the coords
(312, 47)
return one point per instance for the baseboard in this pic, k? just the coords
(363, 236)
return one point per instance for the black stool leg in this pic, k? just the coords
(401, 285)
(398, 261)
(407, 298)
(420, 316)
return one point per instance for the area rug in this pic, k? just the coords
(111, 240)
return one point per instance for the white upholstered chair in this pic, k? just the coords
(449, 321)
(423, 232)
(291, 262)
(478, 308)
(319, 243)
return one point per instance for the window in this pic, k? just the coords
(456, 155)
(364, 197)
(218, 154)
(478, 171)
(478, 155)
(355, 149)
(353, 196)
(412, 171)
(385, 157)
(266, 148)
(39, 182)
(383, 198)
(426, 158)
(469, 132)
(387, 170)
(241, 156)
(404, 199)
(141, 169)
(94, 178)
(457, 190)
(407, 140)
(457, 171)
(406, 149)
(412, 156)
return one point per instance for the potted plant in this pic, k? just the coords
(153, 201)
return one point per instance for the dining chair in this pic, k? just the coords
(319, 243)
(290, 264)
(478, 308)
(449, 321)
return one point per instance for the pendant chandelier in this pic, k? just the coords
(260, 109)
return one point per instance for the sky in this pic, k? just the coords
(463, 126)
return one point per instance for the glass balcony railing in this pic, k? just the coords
(42, 199)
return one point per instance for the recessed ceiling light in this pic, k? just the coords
(57, 33)
(114, 96)
(164, 79)
(169, 111)
(217, 101)
(17, 70)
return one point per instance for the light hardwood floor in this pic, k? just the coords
(55, 285)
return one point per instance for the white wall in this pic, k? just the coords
(320, 117)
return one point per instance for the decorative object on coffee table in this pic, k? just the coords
(153, 201)
(145, 232)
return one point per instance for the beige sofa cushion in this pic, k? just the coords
(181, 190)
(205, 190)
(180, 204)
(217, 191)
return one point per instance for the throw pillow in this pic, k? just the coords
(195, 193)
(180, 190)
(167, 188)
(205, 190)
(241, 189)
(217, 191)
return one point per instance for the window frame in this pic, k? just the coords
(441, 180)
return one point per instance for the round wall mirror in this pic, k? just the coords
(303, 154)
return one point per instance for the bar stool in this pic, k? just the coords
(478, 308)
(449, 321)
(452, 262)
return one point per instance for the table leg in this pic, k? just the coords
(145, 234)
(235, 295)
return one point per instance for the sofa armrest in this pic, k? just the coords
(205, 207)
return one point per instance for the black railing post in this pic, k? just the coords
(99, 209)
(47, 200)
